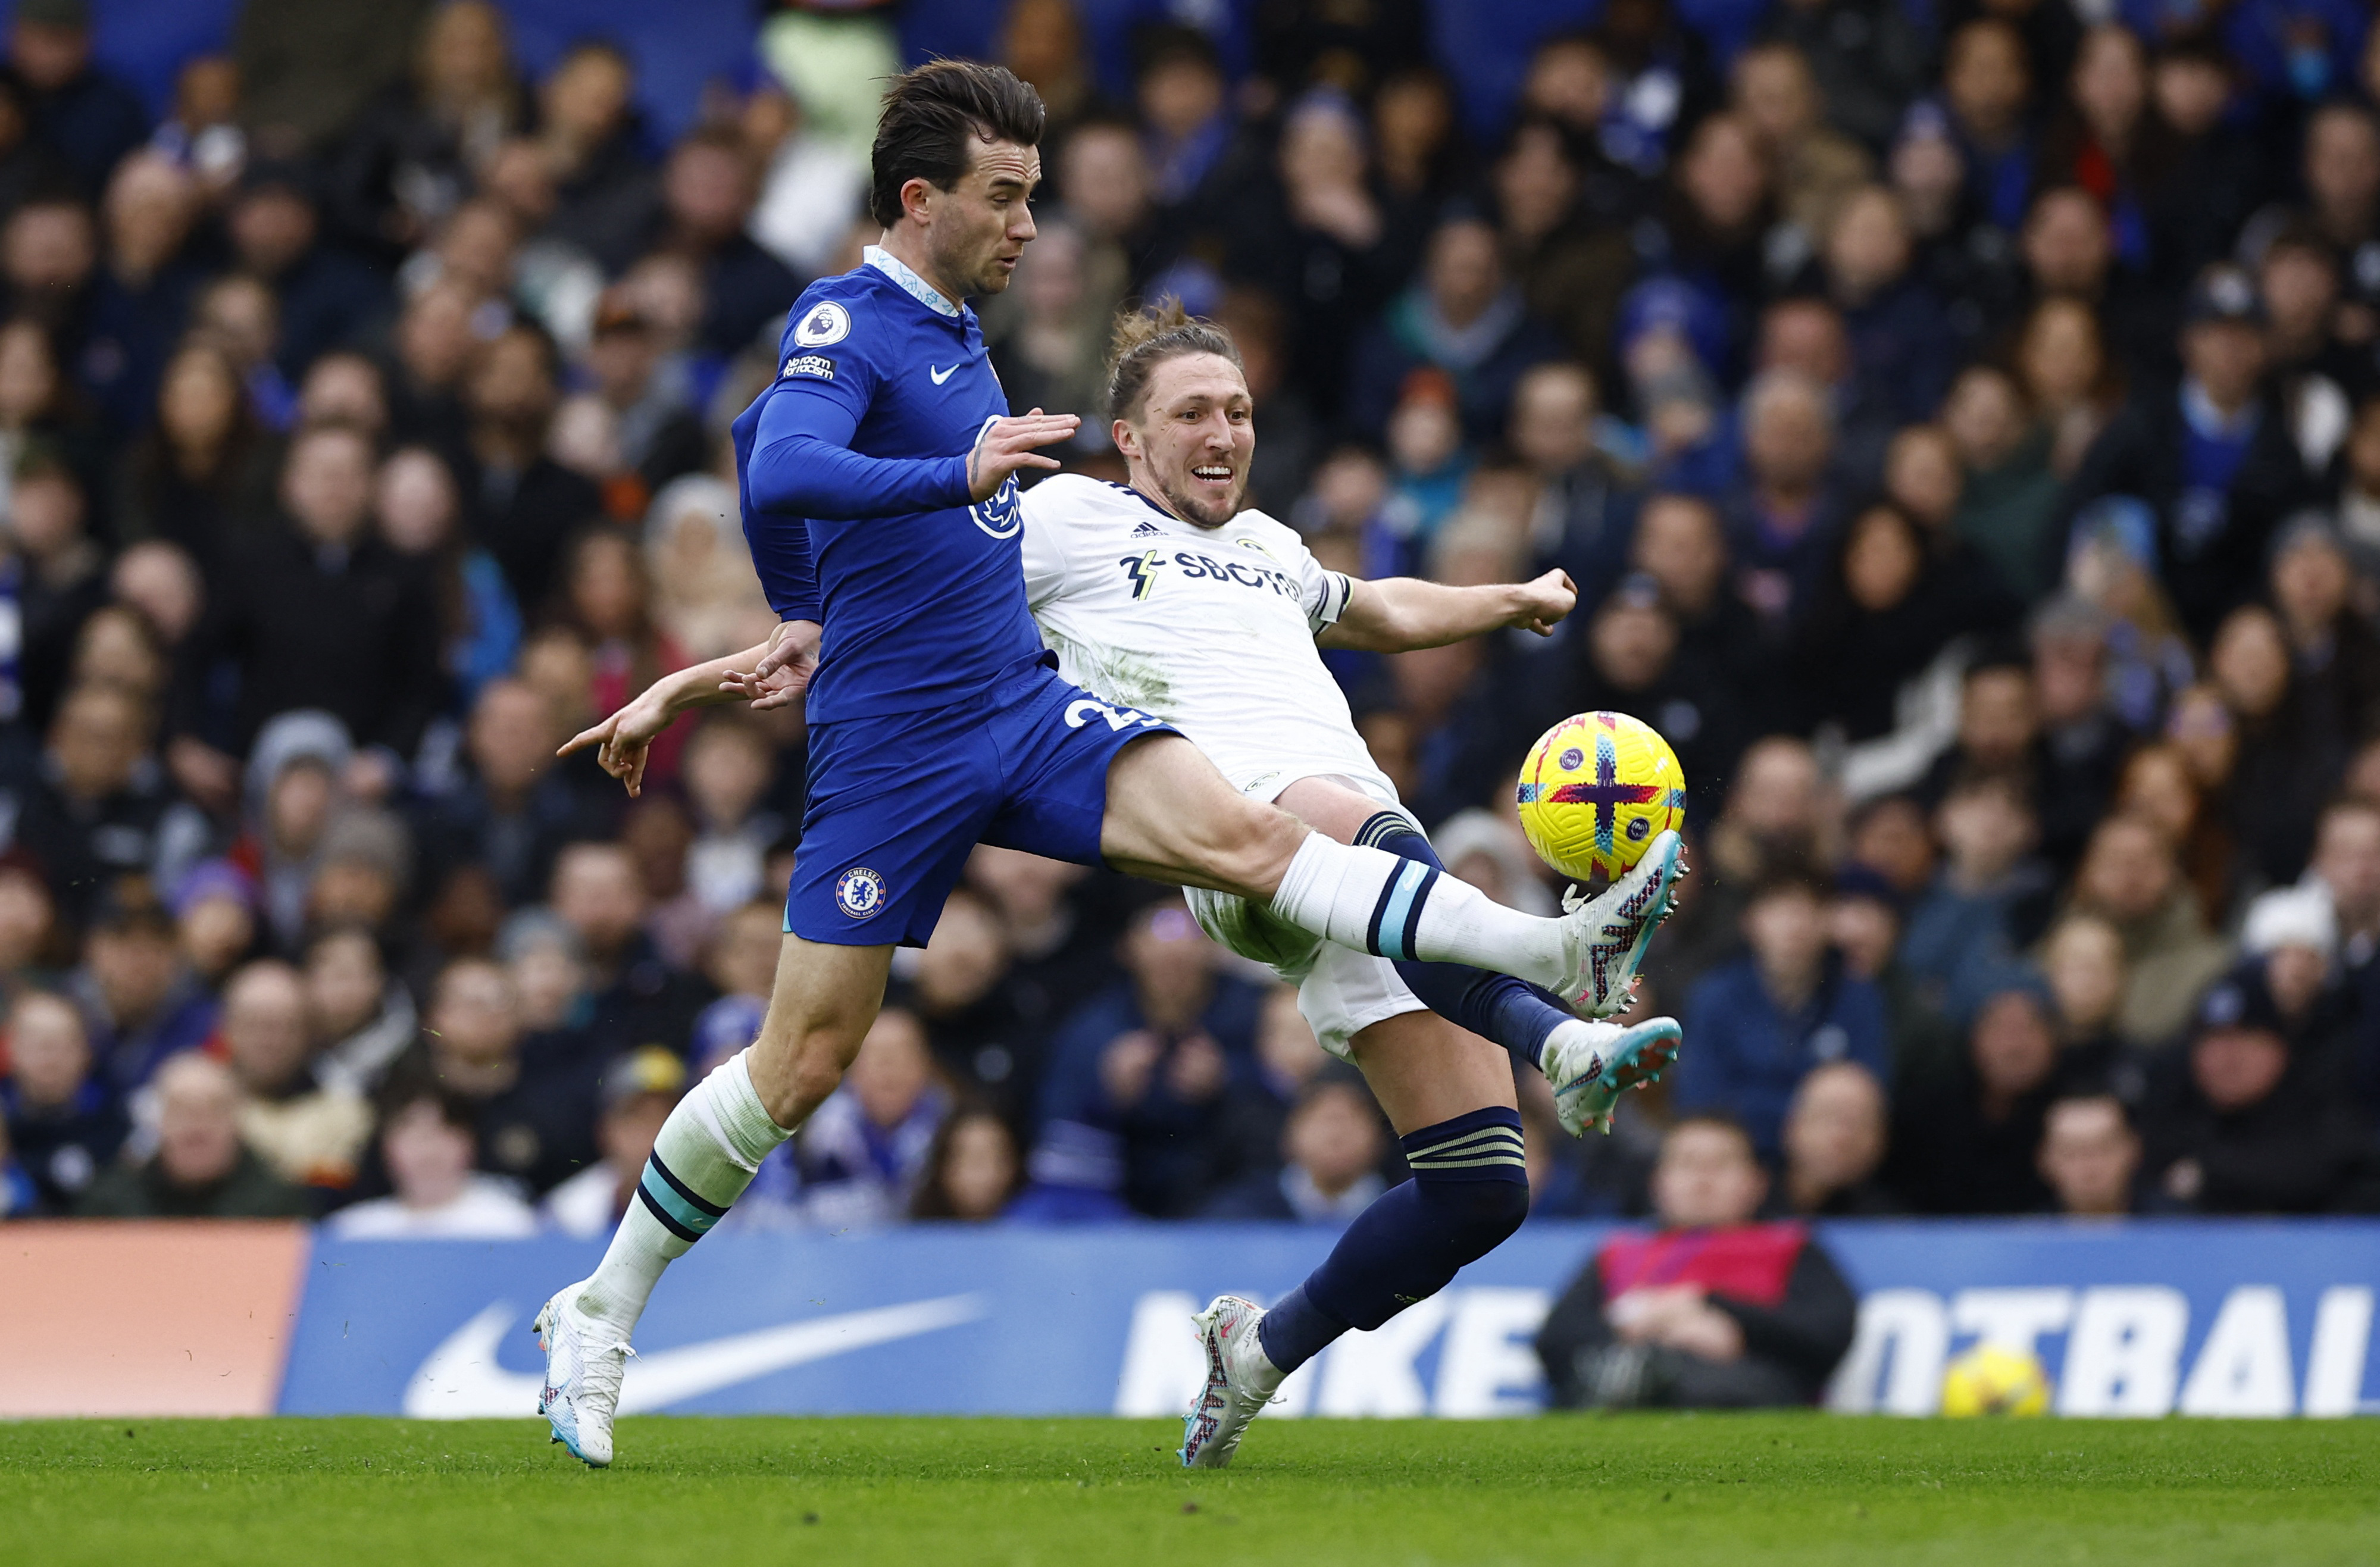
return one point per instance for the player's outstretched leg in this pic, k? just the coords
(1587, 1062)
(1469, 1191)
(1173, 818)
(707, 1153)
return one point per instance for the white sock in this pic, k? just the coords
(706, 1155)
(1377, 901)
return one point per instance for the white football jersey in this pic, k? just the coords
(1210, 628)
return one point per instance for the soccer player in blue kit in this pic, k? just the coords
(878, 487)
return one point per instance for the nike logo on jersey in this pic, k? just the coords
(1146, 530)
(461, 1379)
(939, 376)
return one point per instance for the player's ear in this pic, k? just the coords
(916, 199)
(1126, 439)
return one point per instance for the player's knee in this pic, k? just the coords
(1475, 1216)
(1253, 849)
(820, 1061)
(799, 1066)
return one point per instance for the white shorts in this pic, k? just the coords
(1341, 992)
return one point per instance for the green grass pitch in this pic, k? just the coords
(1637, 1488)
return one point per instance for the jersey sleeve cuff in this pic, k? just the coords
(1337, 589)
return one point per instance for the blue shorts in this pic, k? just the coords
(896, 804)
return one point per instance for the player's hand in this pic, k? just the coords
(1540, 603)
(1008, 444)
(783, 672)
(624, 740)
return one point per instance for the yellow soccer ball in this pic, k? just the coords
(1595, 789)
(1988, 1380)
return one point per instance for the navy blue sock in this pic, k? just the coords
(1515, 1015)
(1470, 1190)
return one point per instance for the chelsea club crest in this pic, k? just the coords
(859, 892)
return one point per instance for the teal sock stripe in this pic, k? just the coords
(1390, 934)
(681, 1210)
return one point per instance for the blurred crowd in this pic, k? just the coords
(1963, 421)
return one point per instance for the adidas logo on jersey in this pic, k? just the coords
(1146, 530)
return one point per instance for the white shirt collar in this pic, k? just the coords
(917, 287)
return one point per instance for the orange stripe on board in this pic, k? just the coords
(147, 1319)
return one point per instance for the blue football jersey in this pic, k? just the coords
(919, 592)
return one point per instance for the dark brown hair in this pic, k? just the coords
(931, 114)
(1147, 338)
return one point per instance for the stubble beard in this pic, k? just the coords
(1199, 513)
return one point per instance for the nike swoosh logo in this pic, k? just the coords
(461, 1380)
(940, 376)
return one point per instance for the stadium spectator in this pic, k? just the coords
(529, 504)
(638, 1092)
(60, 577)
(2089, 1155)
(1777, 89)
(1256, 1110)
(201, 1168)
(972, 1171)
(309, 1134)
(2083, 960)
(201, 476)
(64, 1125)
(1633, 658)
(532, 1116)
(359, 1018)
(368, 312)
(322, 617)
(1834, 1144)
(140, 1001)
(863, 1153)
(1865, 60)
(419, 513)
(1965, 1144)
(1712, 1310)
(98, 806)
(91, 118)
(427, 1144)
(707, 188)
(1463, 317)
(1136, 1076)
(516, 808)
(2213, 458)
(638, 997)
(1991, 898)
(2129, 878)
(412, 152)
(1330, 1151)
(2241, 1122)
(1764, 1022)
(1784, 515)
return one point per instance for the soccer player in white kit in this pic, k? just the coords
(1165, 596)
(1187, 431)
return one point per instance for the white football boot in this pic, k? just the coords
(1606, 935)
(1240, 1383)
(1589, 1066)
(584, 1364)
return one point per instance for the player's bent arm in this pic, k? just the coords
(802, 463)
(1397, 614)
(624, 739)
